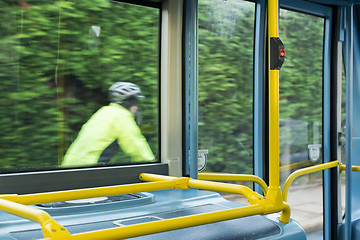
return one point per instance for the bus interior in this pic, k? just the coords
(249, 108)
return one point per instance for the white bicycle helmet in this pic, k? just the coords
(120, 91)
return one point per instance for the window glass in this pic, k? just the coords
(57, 62)
(226, 45)
(301, 102)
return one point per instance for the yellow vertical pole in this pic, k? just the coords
(274, 196)
(273, 28)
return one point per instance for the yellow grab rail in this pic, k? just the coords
(16, 204)
(234, 177)
(304, 171)
(30, 199)
(273, 26)
(50, 228)
(353, 168)
(13, 204)
(274, 191)
(272, 203)
(185, 183)
(169, 224)
(308, 170)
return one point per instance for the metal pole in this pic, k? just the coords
(273, 27)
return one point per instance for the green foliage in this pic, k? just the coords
(226, 36)
(55, 70)
(226, 43)
(301, 82)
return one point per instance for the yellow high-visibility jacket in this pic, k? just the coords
(109, 123)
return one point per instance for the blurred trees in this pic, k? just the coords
(301, 81)
(57, 60)
(226, 44)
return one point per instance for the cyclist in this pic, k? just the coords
(111, 125)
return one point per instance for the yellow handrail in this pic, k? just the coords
(273, 25)
(312, 169)
(30, 199)
(353, 168)
(185, 183)
(271, 203)
(304, 171)
(50, 228)
(169, 224)
(234, 177)
(274, 191)
(308, 170)
(285, 214)
(13, 204)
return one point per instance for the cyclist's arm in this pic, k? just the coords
(131, 140)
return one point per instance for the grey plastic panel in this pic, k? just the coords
(97, 204)
(59, 180)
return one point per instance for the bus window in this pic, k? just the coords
(301, 102)
(226, 43)
(57, 62)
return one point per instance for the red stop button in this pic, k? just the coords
(282, 52)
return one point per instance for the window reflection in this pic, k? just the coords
(57, 61)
